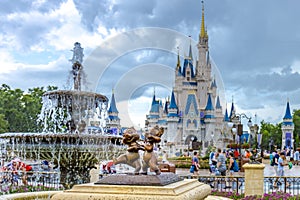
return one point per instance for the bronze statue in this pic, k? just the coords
(149, 158)
(132, 156)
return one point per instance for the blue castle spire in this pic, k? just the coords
(232, 110)
(213, 84)
(288, 112)
(226, 118)
(209, 105)
(218, 104)
(113, 107)
(173, 109)
(155, 105)
(173, 104)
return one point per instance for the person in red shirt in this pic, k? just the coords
(25, 168)
(236, 154)
(18, 165)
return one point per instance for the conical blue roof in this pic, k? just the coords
(226, 118)
(209, 105)
(231, 111)
(113, 107)
(218, 104)
(288, 112)
(213, 84)
(173, 104)
(188, 63)
(155, 105)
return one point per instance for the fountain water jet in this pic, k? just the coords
(65, 139)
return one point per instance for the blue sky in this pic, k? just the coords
(254, 44)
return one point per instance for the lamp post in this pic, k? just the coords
(234, 131)
(239, 127)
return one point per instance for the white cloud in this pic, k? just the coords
(7, 62)
(259, 62)
(296, 66)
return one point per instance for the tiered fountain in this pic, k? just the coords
(65, 140)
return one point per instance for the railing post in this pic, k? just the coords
(254, 179)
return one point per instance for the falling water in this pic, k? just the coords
(65, 140)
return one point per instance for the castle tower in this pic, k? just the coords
(209, 119)
(191, 117)
(172, 120)
(203, 67)
(287, 128)
(153, 117)
(113, 121)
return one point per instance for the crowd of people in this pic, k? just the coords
(16, 170)
(279, 159)
(222, 162)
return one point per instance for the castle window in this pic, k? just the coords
(188, 122)
(188, 78)
(195, 123)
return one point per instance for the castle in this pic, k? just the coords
(193, 116)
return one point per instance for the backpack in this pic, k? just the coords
(235, 166)
(272, 160)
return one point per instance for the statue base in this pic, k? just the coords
(144, 180)
(190, 189)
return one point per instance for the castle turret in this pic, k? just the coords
(226, 118)
(219, 114)
(113, 122)
(153, 116)
(287, 128)
(209, 111)
(172, 120)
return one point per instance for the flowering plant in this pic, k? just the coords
(270, 196)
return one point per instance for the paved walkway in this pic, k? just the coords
(268, 171)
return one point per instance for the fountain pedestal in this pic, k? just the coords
(190, 189)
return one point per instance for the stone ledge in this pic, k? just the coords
(253, 166)
(30, 195)
(186, 189)
(143, 180)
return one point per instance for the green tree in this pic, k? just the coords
(20, 110)
(3, 124)
(270, 132)
(11, 107)
(296, 120)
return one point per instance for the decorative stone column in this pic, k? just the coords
(254, 179)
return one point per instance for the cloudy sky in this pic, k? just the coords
(131, 45)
